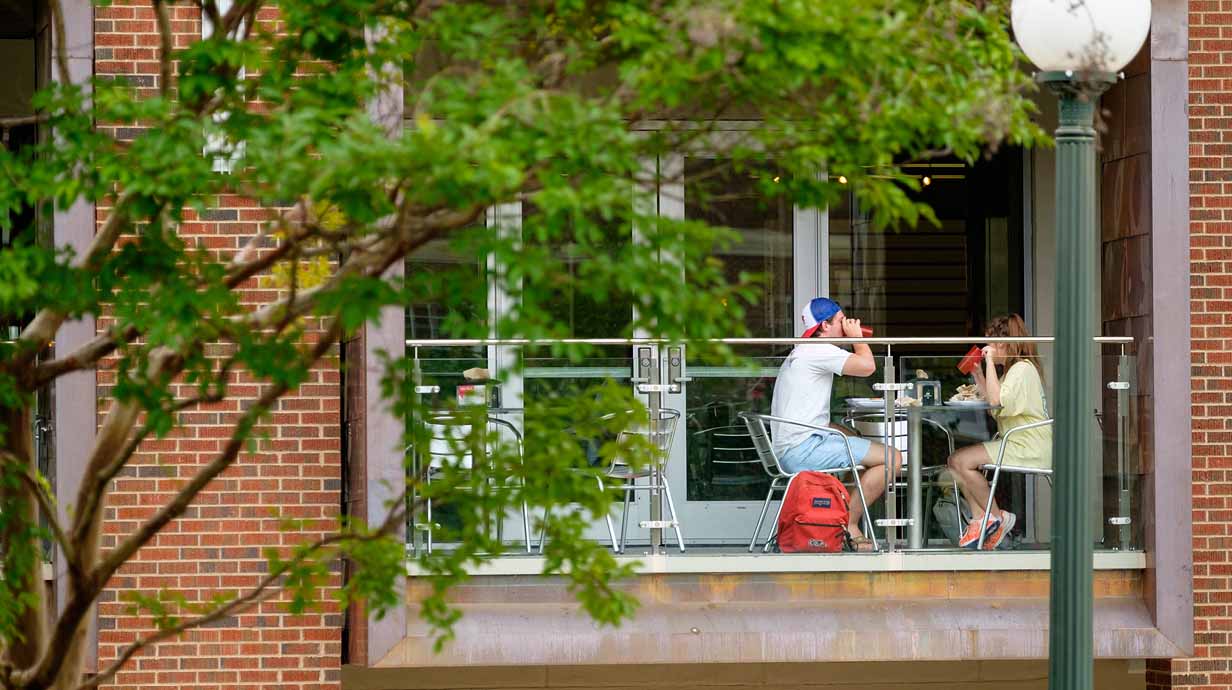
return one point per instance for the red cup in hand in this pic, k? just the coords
(971, 360)
(866, 331)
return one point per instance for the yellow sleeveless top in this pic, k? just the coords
(1022, 402)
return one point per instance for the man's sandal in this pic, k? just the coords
(862, 545)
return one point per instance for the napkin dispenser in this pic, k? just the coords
(928, 392)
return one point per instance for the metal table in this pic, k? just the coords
(915, 416)
(484, 414)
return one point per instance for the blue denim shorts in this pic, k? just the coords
(824, 452)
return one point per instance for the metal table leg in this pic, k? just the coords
(915, 461)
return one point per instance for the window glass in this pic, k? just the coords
(722, 464)
(939, 280)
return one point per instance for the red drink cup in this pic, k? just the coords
(866, 331)
(971, 360)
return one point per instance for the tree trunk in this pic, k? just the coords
(19, 540)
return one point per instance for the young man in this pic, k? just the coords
(802, 393)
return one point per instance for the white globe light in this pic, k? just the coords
(1081, 35)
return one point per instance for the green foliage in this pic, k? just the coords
(574, 110)
(22, 552)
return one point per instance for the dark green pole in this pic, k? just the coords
(1070, 633)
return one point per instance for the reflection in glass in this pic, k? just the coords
(449, 285)
(575, 311)
(722, 465)
(937, 280)
(721, 195)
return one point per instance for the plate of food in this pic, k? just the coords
(968, 395)
(866, 403)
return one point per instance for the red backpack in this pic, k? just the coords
(815, 514)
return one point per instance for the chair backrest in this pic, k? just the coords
(760, 436)
(731, 445)
(659, 430)
(448, 432)
(728, 456)
(446, 435)
(1000, 459)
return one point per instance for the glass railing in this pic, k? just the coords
(719, 482)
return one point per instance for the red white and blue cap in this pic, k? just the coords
(818, 311)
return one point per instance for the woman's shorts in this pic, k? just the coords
(824, 452)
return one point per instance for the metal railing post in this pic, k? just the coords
(891, 493)
(1122, 387)
(417, 382)
(915, 460)
(890, 388)
(650, 375)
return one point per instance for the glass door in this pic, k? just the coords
(576, 313)
(716, 478)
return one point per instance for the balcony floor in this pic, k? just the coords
(737, 559)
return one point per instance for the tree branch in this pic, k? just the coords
(210, 8)
(238, 13)
(42, 329)
(86, 589)
(20, 550)
(85, 356)
(116, 427)
(164, 47)
(261, 592)
(61, 51)
(47, 505)
(403, 237)
(176, 507)
(239, 605)
(106, 474)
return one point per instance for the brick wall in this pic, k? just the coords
(218, 545)
(1210, 163)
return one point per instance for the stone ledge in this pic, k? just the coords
(849, 630)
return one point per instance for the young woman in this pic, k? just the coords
(1017, 397)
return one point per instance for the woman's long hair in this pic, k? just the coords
(1012, 326)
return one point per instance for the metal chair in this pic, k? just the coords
(780, 478)
(728, 454)
(998, 467)
(446, 431)
(661, 432)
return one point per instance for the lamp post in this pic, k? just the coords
(1079, 46)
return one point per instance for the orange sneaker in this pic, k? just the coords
(1004, 526)
(971, 537)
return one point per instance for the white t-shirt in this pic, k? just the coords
(802, 392)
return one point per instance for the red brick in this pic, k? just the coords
(1210, 61)
(219, 547)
